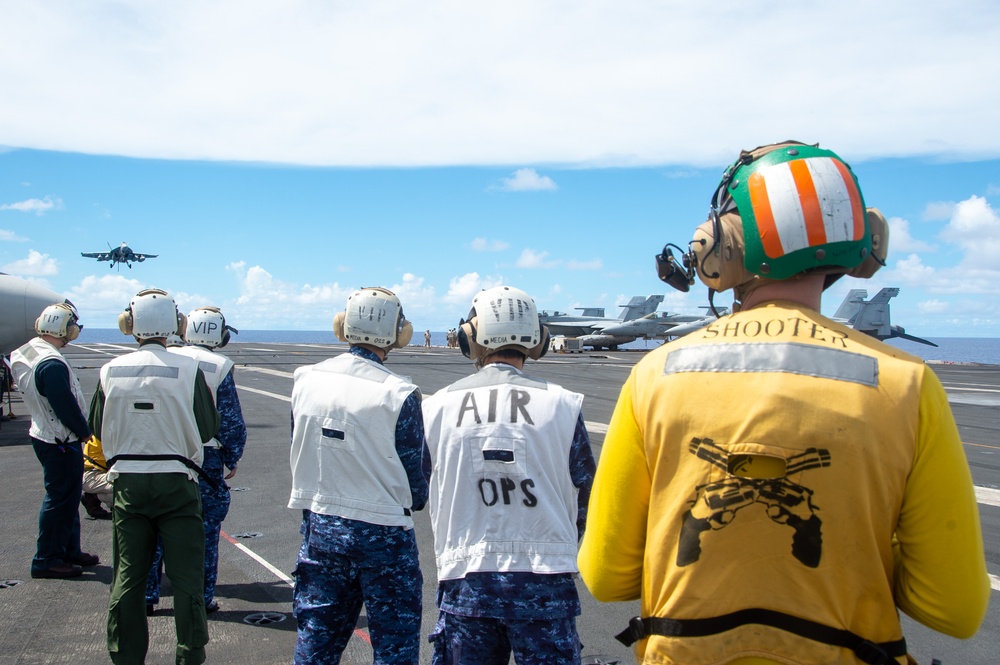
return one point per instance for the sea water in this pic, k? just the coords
(980, 350)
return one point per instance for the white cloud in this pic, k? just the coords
(101, 299)
(37, 206)
(526, 180)
(486, 245)
(933, 307)
(938, 211)
(463, 288)
(418, 299)
(593, 264)
(35, 265)
(911, 270)
(900, 239)
(975, 227)
(266, 302)
(531, 259)
(588, 82)
(10, 236)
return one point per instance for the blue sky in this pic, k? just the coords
(278, 157)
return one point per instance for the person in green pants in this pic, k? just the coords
(153, 411)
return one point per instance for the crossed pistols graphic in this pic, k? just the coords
(716, 504)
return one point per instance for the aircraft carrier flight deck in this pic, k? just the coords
(64, 621)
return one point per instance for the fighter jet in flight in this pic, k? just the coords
(118, 255)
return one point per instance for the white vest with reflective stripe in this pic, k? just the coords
(214, 366)
(501, 495)
(45, 425)
(149, 410)
(343, 455)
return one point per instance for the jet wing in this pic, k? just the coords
(143, 257)
(100, 256)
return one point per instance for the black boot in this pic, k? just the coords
(93, 507)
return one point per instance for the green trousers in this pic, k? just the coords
(147, 505)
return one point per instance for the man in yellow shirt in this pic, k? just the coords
(775, 485)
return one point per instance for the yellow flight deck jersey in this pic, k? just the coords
(778, 460)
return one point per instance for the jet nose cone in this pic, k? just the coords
(21, 302)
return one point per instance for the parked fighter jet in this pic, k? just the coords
(21, 302)
(589, 325)
(652, 326)
(872, 316)
(868, 316)
(119, 255)
(697, 324)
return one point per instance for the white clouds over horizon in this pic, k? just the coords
(36, 264)
(486, 245)
(972, 236)
(37, 206)
(11, 236)
(586, 83)
(527, 180)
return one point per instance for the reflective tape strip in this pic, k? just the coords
(784, 357)
(207, 367)
(131, 371)
(804, 203)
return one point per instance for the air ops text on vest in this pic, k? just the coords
(514, 405)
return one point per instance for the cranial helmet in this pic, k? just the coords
(60, 320)
(373, 316)
(502, 317)
(152, 313)
(175, 340)
(206, 326)
(782, 210)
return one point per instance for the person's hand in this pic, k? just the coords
(232, 472)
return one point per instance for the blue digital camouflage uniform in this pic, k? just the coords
(214, 500)
(485, 616)
(343, 563)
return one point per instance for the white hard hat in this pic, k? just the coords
(502, 317)
(373, 316)
(151, 313)
(206, 326)
(59, 320)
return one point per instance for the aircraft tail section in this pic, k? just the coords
(639, 307)
(851, 305)
(873, 316)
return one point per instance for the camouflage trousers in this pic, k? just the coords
(460, 640)
(215, 507)
(336, 574)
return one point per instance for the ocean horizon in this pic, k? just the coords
(979, 350)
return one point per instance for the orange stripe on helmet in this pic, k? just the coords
(812, 214)
(852, 190)
(769, 236)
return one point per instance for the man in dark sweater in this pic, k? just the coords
(58, 428)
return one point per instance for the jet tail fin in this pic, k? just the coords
(639, 307)
(851, 304)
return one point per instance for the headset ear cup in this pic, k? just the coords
(542, 347)
(125, 322)
(467, 338)
(403, 334)
(878, 229)
(72, 332)
(338, 326)
(225, 337)
(182, 324)
(721, 258)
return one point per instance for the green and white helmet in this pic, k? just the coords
(786, 209)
